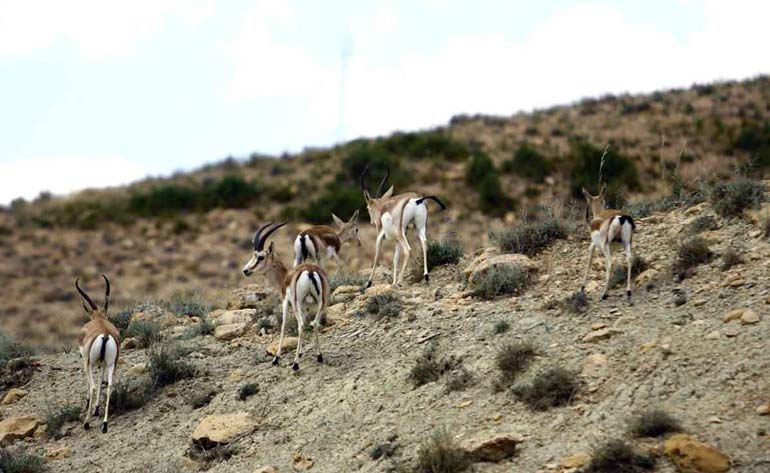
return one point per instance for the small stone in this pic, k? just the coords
(734, 314)
(692, 456)
(598, 325)
(136, 370)
(301, 462)
(645, 347)
(266, 469)
(731, 331)
(465, 403)
(13, 395)
(594, 366)
(493, 449)
(229, 331)
(713, 335)
(129, 343)
(578, 460)
(601, 334)
(241, 316)
(764, 409)
(58, 453)
(749, 317)
(235, 375)
(289, 343)
(497, 417)
(647, 276)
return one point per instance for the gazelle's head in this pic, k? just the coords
(90, 306)
(261, 258)
(348, 231)
(374, 204)
(595, 203)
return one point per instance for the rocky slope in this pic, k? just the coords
(673, 349)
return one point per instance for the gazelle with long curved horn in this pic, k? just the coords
(392, 215)
(322, 241)
(608, 226)
(99, 345)
(300, 287)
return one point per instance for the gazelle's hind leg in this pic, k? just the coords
(285, 309)
(608, 263)
(591, 250)
(110, 371)
(424, 243)
(396, 255)
(629, 262)
(90, 380)
(317, 328)
(377, 246)
(300, 326)
(99, 386)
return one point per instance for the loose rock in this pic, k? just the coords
(221, 429)
(692, 456)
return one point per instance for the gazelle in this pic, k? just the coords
(324, 241)
(299, 288)
(99, 345)
(392, 215)
(608, 226)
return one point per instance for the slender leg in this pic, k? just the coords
(629, 261)
(608, 264)
(396, 255)
(591, 249)
(300, 324)
(407, 255)
(317, 328)
(283, 330)
(336, 260)
(110, 371)
(99, 391)
(380, 236)
(424, 243)
(86, 425)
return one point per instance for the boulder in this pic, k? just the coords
(16, 428)
(229, 331)
(289, 343)
(692, 456)
(493, 449)
(482, 267)
(241, 316)
(220, 429)
(749, 317)
(13, 395)
(578, 460)
(247, 297)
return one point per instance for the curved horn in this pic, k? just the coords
(258, 233)
(363, 175)
(85, 296)
(384, 181)
(269, 232)
(106, 293)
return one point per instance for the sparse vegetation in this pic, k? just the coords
(764, 224)
(127, 397)
(122, 319)
(56, 419)
(203, 327)
(346, 279)
(19, 461)
(731, 198)
(501, 326)
(443, 252)
(691, 253)
(577, 303)
(247, 390)
(482, 175)
(429, 367)
(440, 454)
(586, 159)
(620, 273)
(383, 450)
(618, 457)
(188, 303)
(10, 349)
(501, 280)
(384, 306)
(551, 388)
(166, 366)
(146, 332)
(511, 360)
(527, 162)
(459, 379)
(210, 456)
(702, 224)
(731, 257)
(529, 238)
(654, 423)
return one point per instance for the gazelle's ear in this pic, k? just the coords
(271, 248)
(604, 190)
(387, 193)
(338, 221)
(354, 217)
(587, 194)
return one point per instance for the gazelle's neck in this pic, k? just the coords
(275, 273)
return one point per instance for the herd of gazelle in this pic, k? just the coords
(306, 286)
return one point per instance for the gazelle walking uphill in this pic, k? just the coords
(322, 241)
(608, 226)
(99, 345)
(301, 287)
(392, 215)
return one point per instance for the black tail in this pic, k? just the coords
(104, 347)
(433, 198)
(625, 218)
(315, 283)
(304, 247)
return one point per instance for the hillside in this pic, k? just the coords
(191, 232)
(365, 409)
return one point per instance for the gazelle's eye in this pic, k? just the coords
(260, 258)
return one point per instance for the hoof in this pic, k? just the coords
(582, 289)
(604, 297)
(426, 277)
(96, 411)
(275, 361)
(369, 283)
(104, 427)
(295, 366)
(86, 426)
(320, 358)
(300, 355)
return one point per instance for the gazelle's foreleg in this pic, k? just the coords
(396, 255)
(317, 328)
(99, 386)
(591, 250)
(377, 245)
(608, 264)
(110, 371)
(285, 309)
(300, 327)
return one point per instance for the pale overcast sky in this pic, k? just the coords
(96, 93)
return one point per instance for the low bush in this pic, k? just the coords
(247, 390)
(19, 461)
(441, 454)
(691, 253)
(384, 306)
(167, 366)
(203, 327)
(122, 319)
(527, 162)
(189, 302)
(501, 280)
(127, 397)
(730, 199)
(10, 349)
(429, 367)
(654, 423)
(618, 457)
(577, 303)
(56, 419)
(551, 388)
(620, 273)
(459, 379)
(146, 332)
(443, 252)
(501, 326)
(586, 159)
(731, 257)
(346, 279)
(481, 175)
(702, 224)
(512, 359)
(529, 238)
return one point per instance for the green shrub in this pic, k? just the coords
(434, 144)
(459, 379)
(202, 328)
(501, 326)
(441, 454)
(166, 366)
(512, 359)
(343, 199)
(586, 159)
(188, 303)
(754, 138)
(247, 390)
(551, 388)
(529, 238)
(501, 280)
(527, 162)
(481, 174)
(691, 253)
(19, 461)
(702, 224)
(146, 332)
(56, 419)
(444, 252)
(129, 397)
(429, 367)
(654, 423)
(618, 457)
(730, 199)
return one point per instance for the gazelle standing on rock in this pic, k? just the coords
(300, 287)
(99, 345)
(392, 215)
(608, 226)
(322, 241)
